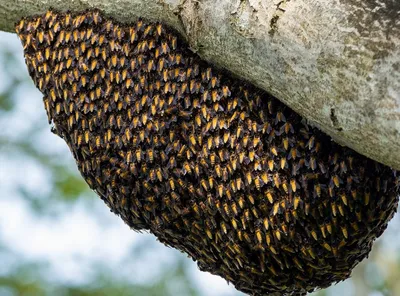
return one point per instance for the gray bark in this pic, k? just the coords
(336, 62)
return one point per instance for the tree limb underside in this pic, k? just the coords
(337, 63)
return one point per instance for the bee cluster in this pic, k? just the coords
(209, 164)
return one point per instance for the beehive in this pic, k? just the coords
(211, 165)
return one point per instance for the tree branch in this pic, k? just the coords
(337, 63)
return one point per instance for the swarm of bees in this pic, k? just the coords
(209, 164)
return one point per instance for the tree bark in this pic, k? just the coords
(336, 62)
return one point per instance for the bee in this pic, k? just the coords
(165, 50)
(159, 174)
(241, 203)
(175, 196)
(322, 228)
(276, 209)
(259, 235)
(247, 237)
(277, 180)
(285, 186)
(294, 185)
(258, 182)
(269, 195)
(341, 211)
(195, 208)
(296, 202)
(327, 246)
(317, 189)
(367, 195)
(40, 36)
(336, 181)
(344, 231)
(224, 228)
(187, 168)
(225, 91)
(221, 190)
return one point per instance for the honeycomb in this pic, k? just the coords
(208, 163)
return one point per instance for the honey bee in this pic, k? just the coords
(259, 235)
(269, 195)
(277, 180)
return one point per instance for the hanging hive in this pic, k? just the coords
(211, 165)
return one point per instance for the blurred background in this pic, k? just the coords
(58, 238)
